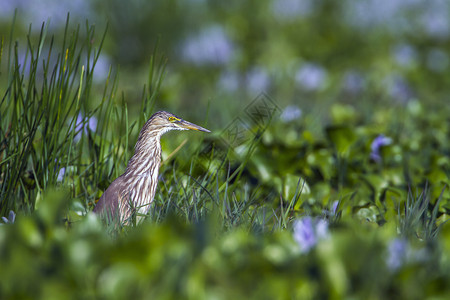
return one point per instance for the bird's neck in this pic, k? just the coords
(146, 158)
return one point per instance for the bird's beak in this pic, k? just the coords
(188, 125)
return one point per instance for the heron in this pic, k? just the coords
(132, 193)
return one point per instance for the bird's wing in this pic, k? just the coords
(109, 202)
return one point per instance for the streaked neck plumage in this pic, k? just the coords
(147, 155)
(141, 175)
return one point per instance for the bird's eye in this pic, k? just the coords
(172, 119)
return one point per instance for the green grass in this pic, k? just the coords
(222, 222)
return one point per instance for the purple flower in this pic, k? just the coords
(331, 211)
(61, 173)
(378, 142)
(405, 55)
(353, 82)
(398, 88)
(11, 218)
(311, 76)
(397, 253)
(308, 231)
(52, 12)
(229, 81)
(291, 113)
(435, 19)
(334, 207)
(211, 46)
(387, 13)
(101, 69)
(257, 80)
(8, 7)
(292, 9)
(83, 124)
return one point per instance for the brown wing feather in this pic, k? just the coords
(109, 202)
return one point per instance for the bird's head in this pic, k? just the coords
(163, 121)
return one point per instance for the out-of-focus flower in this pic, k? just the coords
(257, 80)
(101, 69)
(211, 46)
(333, 210)
(400, 252)
(437, 60)
(229, 81)
(11, 218)
(435, 19)
(61, 173)
(83, 124)
(8, 7)
(353, 82)
(335, 206)
(308, 231)
(405, 55)
(311, 76)
(377, 143)
(37, 12)
(291, 9)
(391, 14)
(398, 88)
(291, 113)
(397, 253)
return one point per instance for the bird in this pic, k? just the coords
(132, 193)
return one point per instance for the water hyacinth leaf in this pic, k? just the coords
(54, 205)
(342, 138)
(376, 184)
(324, 161)
(367, 213)
(390, 198)
(264, 167)
(334, 268)
(343, 114)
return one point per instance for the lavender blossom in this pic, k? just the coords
(388, 13)
(405, 55)
(11, 218)
(102, 67)
(83, 124)
(308, 231)
(398, 88)
(257, 80)
(52, 12)
(311, 76)
(378, 142)
(61, 174)
(291, 9)
(353, 82)
(291, 113)
(211, 46)
(397, 253)
(435, 19)
(229, 81)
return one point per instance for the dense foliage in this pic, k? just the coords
(326, 175)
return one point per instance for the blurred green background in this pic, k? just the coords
(221, 56)
(338, 189)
